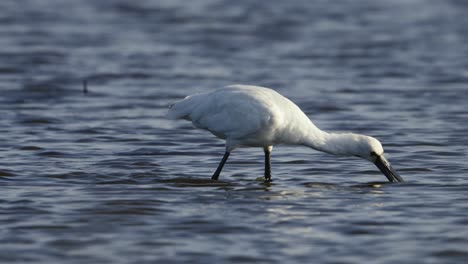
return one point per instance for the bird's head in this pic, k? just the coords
(371, 149)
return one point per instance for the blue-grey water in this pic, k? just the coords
(104, 177)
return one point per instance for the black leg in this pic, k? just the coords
(267, 151)
(220, 166)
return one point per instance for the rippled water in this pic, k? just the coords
(103, 177)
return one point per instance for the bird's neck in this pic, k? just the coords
(333, 143)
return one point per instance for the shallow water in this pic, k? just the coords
(103, 177)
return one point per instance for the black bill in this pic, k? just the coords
(385, 167)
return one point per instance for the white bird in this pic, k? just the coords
(253, 116)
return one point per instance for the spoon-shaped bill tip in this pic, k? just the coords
(385, 167)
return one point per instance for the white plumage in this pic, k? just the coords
(252, 116)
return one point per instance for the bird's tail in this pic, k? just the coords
(183, 108)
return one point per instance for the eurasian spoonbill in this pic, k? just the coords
(253, 116)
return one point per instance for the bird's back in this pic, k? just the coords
(251, 115)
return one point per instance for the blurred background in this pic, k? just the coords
(103, 177)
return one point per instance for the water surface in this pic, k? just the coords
(103, 177)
